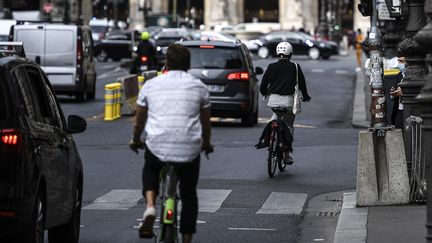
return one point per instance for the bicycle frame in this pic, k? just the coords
(275, 151)
(168, 221)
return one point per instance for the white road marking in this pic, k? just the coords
(341, 71)
(109, 73)
(252, 229)
(116, 200)
(317, 70)
(318, 240)
(210, 200)
(284, 203)
(263, 120)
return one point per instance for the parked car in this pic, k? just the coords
(116, 45)
(302, 43)
(41, 172)
(5, 25)
(99, 28)
(227, 69)
(65, 53)
(166, 37)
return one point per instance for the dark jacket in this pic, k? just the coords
(283, 132)
(280, 78)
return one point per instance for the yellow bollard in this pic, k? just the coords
(140, 82)
(119, 101)
(109, 102)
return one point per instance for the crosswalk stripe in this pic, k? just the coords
(116, 200)
(210, 200)
(283, 203)
(341, 71)
(317, 70)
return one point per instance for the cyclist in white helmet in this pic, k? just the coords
(279, 83)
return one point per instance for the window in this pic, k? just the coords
(216, 58)
(26, 93)
(45, 106)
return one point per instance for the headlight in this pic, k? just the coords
(158, 48)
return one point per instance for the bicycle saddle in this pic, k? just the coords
(279, 109)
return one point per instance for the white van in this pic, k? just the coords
(65, 53)
(5, 25)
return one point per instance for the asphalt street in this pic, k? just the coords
(238, 201)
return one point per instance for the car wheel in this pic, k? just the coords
(92, 94)
(69, 232)
(102, 56)
(314, 53)
(36, 231)
(263, 52)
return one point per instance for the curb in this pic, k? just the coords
(359, 119)
(352, 222)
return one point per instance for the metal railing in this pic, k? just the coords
(418, 167)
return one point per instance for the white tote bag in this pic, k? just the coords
(297, 101)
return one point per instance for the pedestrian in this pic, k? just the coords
(396, 94)
(146, 49)
(174, 111)
(358, 45)
(279, 82)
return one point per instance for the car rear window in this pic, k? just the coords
(3, 108)
(166, 41)
(216, 58)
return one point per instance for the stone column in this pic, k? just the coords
(416, 71)
(290, 14)
(322, 27)
(223, 11)
(424, 38)
(87, 11)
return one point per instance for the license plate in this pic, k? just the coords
(215, 88)
(143, 68)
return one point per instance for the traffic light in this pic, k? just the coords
(366, 7)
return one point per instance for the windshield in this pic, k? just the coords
(167, 41)
(306, 36)
(216, 58)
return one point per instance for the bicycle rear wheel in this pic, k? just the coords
(169, 234)
(272, 159)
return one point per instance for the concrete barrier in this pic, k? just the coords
(129, 94)
(382, 176)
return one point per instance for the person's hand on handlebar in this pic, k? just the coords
(306, 98)
(136, 145)
(207, 148)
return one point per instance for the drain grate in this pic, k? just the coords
(328, 214)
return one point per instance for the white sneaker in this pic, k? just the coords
(146, 226)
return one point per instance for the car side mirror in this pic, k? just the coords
(259, 70)
(76, 124)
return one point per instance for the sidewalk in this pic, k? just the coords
(381, 224)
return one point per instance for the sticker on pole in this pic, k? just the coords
(383, 13)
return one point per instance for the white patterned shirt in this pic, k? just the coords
(173, 128)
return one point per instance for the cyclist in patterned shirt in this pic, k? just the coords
(173, 110)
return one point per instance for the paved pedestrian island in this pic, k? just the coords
(210, 201)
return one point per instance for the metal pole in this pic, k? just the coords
(377, 108)
(424, 37)
(414, 78)
(66, 17)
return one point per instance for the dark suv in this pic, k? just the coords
(227, 69)
(41, 174)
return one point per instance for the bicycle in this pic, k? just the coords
(276, 146)
(169, 199)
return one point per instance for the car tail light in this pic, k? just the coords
(79, 51)
(238, 76)
(7, 214)
(207, 46)
(144, 59)
(10, 137)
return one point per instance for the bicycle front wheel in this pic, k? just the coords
(272, 159)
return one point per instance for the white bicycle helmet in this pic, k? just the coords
(284, 48)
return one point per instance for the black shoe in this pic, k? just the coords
(287, 159)
(146, 227)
